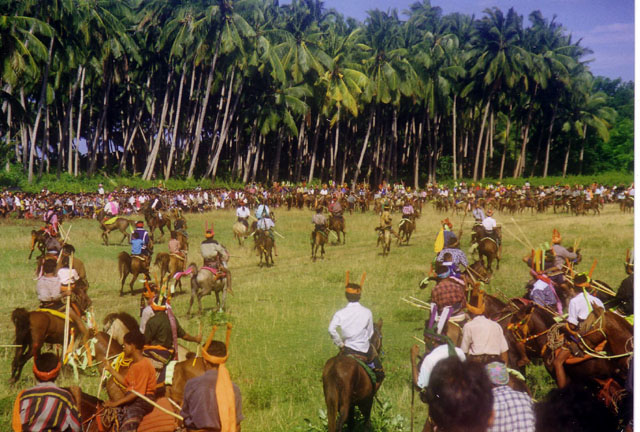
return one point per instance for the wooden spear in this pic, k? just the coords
(66, 308)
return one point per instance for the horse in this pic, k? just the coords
(204, 281)
(125, 226)
(405, 228)
(487, 247)
(155, 222)
(384, 239)
(346, 384)
(134, 265)
(263, 244)
(171, 264)
(38, 239)
(35, 328)
(318, 239)
(338, 225)
(63, 261)
(241, 232)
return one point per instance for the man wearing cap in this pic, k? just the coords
(512, 410)
(356, 326)
(47, 407)
(489, 224)
(335, 208)
(449, 290)
(212, 402)
(243, 213)
(213, 253)
(457, 257)
(144, 236)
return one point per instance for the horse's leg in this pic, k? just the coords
(134, 276)
(124, 277)
(224, 298)
(365, 409)
(322, 246)
(124, 235)
(344, 237)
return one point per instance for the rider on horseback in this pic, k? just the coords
(143, 236)
(489, 224)
(51, 294)
(386, 219)
(51, 221)
(320, 222)
(243, 213)
(214, 255)
(265, 222)
(580, 307)
(447, 297)
(335, 208)
(356, 325)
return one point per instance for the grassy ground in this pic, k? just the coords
(280, 314)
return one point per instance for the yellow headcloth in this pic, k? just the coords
(224, 387)
(556, 237)
(354, 288)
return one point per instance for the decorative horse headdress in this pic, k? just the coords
(556, 237)
(352, 288)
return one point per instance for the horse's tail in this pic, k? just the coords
(124, 263)
(20, 318)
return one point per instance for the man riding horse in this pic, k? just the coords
(243, 213)
(214, 255)
(320, 222)
(356, 325)
(265, 222)
(489, 225)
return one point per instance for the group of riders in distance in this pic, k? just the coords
(576, 325)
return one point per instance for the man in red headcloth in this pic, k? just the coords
(47, 407)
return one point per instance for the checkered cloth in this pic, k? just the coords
(513, 411)
(448, 293)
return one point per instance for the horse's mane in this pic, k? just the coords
(130, 322)
(618, 319)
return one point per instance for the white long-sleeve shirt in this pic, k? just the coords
(438, 353)
(356, 325)
(578, 308)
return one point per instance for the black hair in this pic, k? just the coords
(217, 348)
(351, 297)
(135, 338)
(460, 396)
(49, 266)
(441, 268)
(573, 409)
(46, 362)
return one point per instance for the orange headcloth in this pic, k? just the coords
(352, 288)
(46, 376)
(208, 232)
(556, 237)
(224, 387)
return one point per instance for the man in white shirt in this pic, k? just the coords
(489, 224)
(356, 328)
(483, 340)
(580, 307)
(437, 347)
(243, 213)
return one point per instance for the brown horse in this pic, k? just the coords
(241, 232)
(203, 282)
(154, 221)
(182, 372)
(263, 244)
(63, 261)
(171, 264)
(384, 239)
(346, 384)
(35, 328)
(134, 265)
(38, 239)
(338, 225)
(405, 228)
(125, 226)
(487, 247)
(318, 240)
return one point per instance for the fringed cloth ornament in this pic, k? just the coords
(352, 288)
(224, 387)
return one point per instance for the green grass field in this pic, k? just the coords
(281, 314)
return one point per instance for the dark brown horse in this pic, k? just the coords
(405, 228)
(318, 240)
(384, 239)
(338, 225)
(38, 239)
(263, 244)
(35, 328)
(134, 265)
(346, 385)
(154, 221)
(125, 226)
(487, 247)
(63, 261)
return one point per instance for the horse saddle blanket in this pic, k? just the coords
(579, 359)
(52, 312)
(213, 270)
(140, 257)
(158, 421)
(110, 220)
(178, 275)
(368, 368)
(489, 238)
(403, 221)
(180, 257)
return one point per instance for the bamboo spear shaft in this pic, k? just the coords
(66, 309)
(104, 369)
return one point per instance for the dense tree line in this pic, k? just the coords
(254, 90)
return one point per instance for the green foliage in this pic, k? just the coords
(383, 419)
(609, 178)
